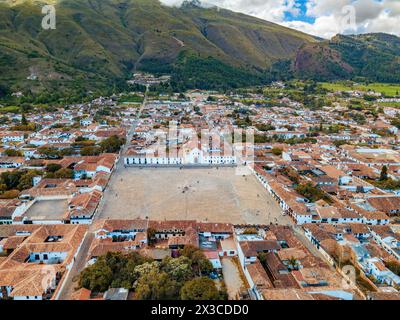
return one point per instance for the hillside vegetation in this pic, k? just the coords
(99, 42)
(372, 57)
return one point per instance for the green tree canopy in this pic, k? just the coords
(312, 193)
(200, 289)
(180, 269)
(97, 277)
(156, 285)
(53, 167)
(13, 153)
(112, 144)
(384, 173)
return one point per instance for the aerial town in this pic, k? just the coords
(284, 192)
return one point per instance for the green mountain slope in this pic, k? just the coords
(98, 41)
(375, 57)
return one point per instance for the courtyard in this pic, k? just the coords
(203, 194)
(47, 210)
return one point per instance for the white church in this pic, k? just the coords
(190, 153)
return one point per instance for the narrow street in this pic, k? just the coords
(129, 135)
(310, 247)
(82, 256)
(80, 262)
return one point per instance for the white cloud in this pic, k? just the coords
(324, 27)
(330, 16)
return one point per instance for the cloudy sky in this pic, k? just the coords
(323, 18)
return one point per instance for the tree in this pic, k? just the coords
(396, 122)
(10, 194)
(291, 174)
(388, 184)
(90, 151)
(293, 263)
(80, 139)
(122, 267)
(180, 269)
(265, 127)
(112, 144)
(127, 276)
(4, 90)
(276, 151)
(67, 152)
(97, 277)
(147, 268)
(393, 266)
(151, 280)
(26, 180)
(263, 258)
(384, 173)
(3, 188)
(50, 153)
(156, 285)
(151, 236)
(200, 264)
(11, 179)
(188, 251)
(53, 167)
(27, 127)
(64, 174)
(200, 289)
(13, 153)
(24, 122)
(81, 142)
(4, 120)
(312, 193)
(205, 266)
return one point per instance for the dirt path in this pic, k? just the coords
(233, 281)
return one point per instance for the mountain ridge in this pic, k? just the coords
(373, 56)
(98, 44)
(111, 38)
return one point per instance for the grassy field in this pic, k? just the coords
(12, 109)
(131, 99)
(390, 104)
(384, 88)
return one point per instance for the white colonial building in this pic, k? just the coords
(188, 154)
